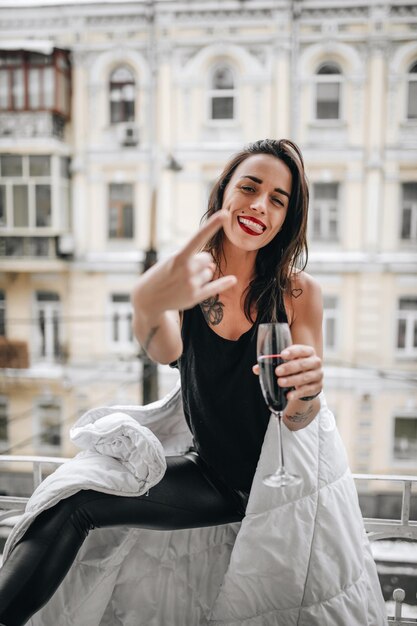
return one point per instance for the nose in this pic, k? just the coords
(259, 204)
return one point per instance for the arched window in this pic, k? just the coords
(122, 95)
(222, 94)
(412, 93)
(328, 92)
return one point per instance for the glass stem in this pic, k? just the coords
(280, 446)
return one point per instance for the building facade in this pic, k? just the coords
(115, 119)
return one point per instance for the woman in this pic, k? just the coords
(201, 309)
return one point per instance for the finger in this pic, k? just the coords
(217, 286)
(203, 235)
(255, 370)
(205, 276)
(297, 351)
(301, 379)
(295, 366)
(303, 392)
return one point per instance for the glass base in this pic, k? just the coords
(281, 478)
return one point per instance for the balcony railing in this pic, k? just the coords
(403, 528)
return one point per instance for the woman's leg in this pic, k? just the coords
(187, 497)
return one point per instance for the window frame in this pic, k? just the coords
(320, 79)
(120, 206)
(400, 414)
(58, 61)
(410, 78)
(410, 318)
(51, 339)
(122, 84)
(325, 205)
(40, 401)
(124, 309)
(328, 315)
(213, 92)
(59, 187)
(413, 217)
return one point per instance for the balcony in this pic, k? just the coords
(32, 253)
(377, 529)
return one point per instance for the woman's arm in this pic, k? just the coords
(178, 283)
(303, 369)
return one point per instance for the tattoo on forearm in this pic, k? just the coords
(149, 338)
(300, 416)
(212, 310)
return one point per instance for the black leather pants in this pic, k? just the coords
(188, 496)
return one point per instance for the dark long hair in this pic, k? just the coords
(288, 251)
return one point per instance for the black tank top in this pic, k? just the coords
(222, 399)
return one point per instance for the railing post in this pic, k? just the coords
(405, 507)
(398, 596)
(37, 474)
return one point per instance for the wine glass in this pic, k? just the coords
(271, 341)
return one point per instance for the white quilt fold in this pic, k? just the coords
(120, 436)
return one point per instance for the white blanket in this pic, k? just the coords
(300, 556)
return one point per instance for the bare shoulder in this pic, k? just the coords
(304, 296)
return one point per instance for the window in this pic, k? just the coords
(122, 96)
(30, 81)
(121, 331)
(405, 438)
(328, 88)
(48, 326)
(48, 413)
(4, 435)
(409, 212)
(222, 94)
(407, 326)
(121, 220)
(330, 320)
(2, 313)
(412, 93)
(325, 212)
(26, 191)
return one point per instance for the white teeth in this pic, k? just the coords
(252, 225)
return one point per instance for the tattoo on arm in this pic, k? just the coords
(300, 416)
(149, 338)
(212, 310)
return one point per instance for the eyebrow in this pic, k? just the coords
(259, 181)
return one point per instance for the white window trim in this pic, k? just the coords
(54, 180)
(211, 92)
(326, 240)
(409, 352)
(400, 463)
(49, 307)
(124, 308)
(413, 238)
(410, 78)
(329, 78)
(332, 350)
(37, 425)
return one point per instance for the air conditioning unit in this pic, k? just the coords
(129, 135)
(65, 245)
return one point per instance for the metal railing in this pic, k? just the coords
(403, 528)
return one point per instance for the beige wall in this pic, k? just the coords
(370, 151)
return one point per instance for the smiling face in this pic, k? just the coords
(256, 199)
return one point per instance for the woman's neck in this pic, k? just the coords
(240, 263)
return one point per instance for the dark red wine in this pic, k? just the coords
(275, 396)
